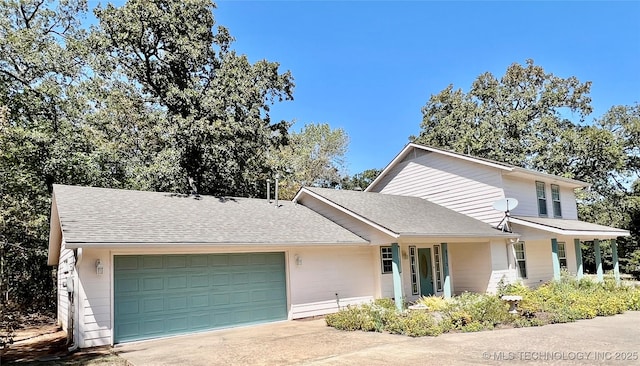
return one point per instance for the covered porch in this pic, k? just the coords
(416, 267)
(564, 238)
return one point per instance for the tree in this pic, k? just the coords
(513, 119)
(360, 181)
(43, 140)
(523, 119)
(216, 102)
(314, 157)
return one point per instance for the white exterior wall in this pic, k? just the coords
(329, 279)
(524, 190)
(66, 267)
(502, 265)
(311, 286)
(470, 267)
(94, 298)
(459, 185)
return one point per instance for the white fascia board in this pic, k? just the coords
(178, 245)
(346, 211)
(580, 233)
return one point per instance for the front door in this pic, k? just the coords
(424, 267)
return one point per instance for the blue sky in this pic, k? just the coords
(369, 66)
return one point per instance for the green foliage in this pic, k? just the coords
(149, 97)
(561, 301)
(522, 119)
(314, 157)
(360, 181)
(216, 103)
(434, 303)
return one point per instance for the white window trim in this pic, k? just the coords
(524, 260)
(437, 264)
(413, 263)
(383, 259)
(553, 201)
(564, 249)
(538, 199)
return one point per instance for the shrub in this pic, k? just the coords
(420, 323)
(560, 301)
(434, 303)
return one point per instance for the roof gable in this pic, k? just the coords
(503, 167)
(403, 215)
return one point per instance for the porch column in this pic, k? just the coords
(446, 287)
(397, 277)
(579, 268)
(596, 250)
(616, 265)
(555, 261)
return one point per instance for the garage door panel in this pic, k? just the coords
(152, 261)
(171, 294)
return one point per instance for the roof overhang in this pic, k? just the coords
(176, 245)
(574, 228)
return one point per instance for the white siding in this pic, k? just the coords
(538, 257)
(524, 190)
(462, 186)
(325, 271)
(329, 279)
(65, 267)
(502, 268)
(470, 267)
(94, 308)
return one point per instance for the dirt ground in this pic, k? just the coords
(46, 344)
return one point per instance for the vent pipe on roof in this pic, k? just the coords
(277, 176)
(269, 191)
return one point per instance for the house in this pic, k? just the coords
(546, 218)
(135, 265)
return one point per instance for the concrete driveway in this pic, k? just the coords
(611, 341)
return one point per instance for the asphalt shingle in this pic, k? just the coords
(408, 215)
(103, 216)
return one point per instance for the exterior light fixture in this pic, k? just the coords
(99, 267)
(298, 260)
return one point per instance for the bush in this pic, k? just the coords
(561, 301)
(434, 303)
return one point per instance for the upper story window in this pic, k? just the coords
(555, 198)
(542, 198)
(386, 257)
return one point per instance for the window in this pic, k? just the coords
(542, 199)
(438, 265)
(414, 270)
(555, 198)
(521, 260)
(562, 254)
(386, 256)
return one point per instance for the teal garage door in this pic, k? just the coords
(160, 295)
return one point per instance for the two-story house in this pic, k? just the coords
(545, 218)
(135, 265)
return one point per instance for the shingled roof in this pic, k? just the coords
(111, 217)
(406, 216)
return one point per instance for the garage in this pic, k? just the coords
(162, 295)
